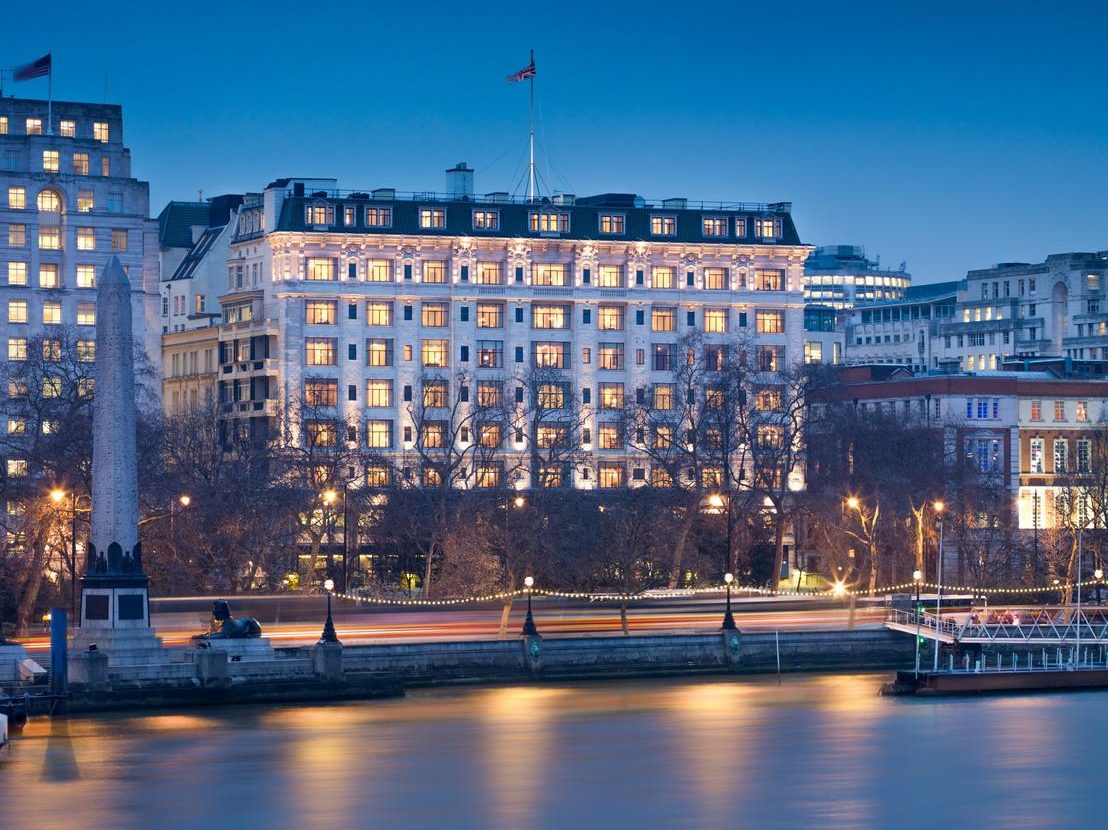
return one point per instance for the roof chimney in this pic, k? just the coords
(459, 181)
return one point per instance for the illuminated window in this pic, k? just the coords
(551, 355)
(769, 322)
(610, 317)
(611, 396)
(321, 312)
(378, 270)
(433, 435)
(769, 279)
(67, 128)
(813, 352)
(486, 220)
(552, 396)
(378, 393)
(1036, 410)
(611, 223)
(610, 276)
(17, 426)
(435, 394)
(378, 352)
(49, 238)
(376, 476)
(740, 227)
(767, 400)
(349, 216)
(17, 198)
(435, 315)
(3, 125)
(663, 225)
(434, 353)
(17, 235)
(767, 228)
(319, 214)
(663, 318)
(378, 217)
(378, 313)
(660, 477)
(85, 201)
(17, 311)
(1059, 410)
(770, 436)
(715, 320)
(319, 351)
(100, 131)
(548, 222)
(1082, 413)
(488, 273)
(17, 273)
(86, 351)
(319, 269)
(488, 475)
(434, 271)
(17, 348)
(16, 467)
(769, 358)
(610, 475)
(490, 315)
(48, 276)
(119, 239)
(550, 316)
(609, 438)
(34, 126)
(609, 356)
(50, 161)
(716, 279)
(714, 226)
(662, 397)
(489, 393)
(86, 314)
(432, 218)
(490, 354)
(549, 275)
(663, 277)
(51, 387)
(321, 433)
(321, 392)
(490, 435)
(86, 239)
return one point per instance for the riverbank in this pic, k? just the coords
(335, 672)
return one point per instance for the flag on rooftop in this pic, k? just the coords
(523, 74)
(39, 69)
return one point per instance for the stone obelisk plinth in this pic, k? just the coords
(115, 608)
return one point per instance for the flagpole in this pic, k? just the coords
(531, 169)
(50, 98)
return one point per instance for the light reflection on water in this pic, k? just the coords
(816, 751)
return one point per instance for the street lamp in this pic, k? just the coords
(939, 507)
(519, 501)
(853, 503)
(1099, 575)
(917, 577)
(185, 499)
(529, 629)
(329, 497)
(57, 495)
(329, 635)
(728, 620)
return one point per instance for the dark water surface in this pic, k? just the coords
(817, 751)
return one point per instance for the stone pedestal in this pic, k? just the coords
(121, 646)
(732, 645)
(211, 666)
(327, 662)
(244, 650)
(89, 668)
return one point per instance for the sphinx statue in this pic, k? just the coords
(225, 627)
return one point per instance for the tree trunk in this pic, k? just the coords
(778, 542)
(504, 613)
(679, 547)
(623, 618)
(31, 587)
(872, 570)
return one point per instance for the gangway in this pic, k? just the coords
(1042, 626)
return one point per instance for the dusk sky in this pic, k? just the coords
(952, 135)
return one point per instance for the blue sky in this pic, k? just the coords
(949, 134)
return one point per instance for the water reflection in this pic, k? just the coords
(813, 752)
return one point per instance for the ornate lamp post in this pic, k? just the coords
(728, 620)
(529, 629)
(329, 635)
(57, 495)
(939, 506)
(1099, 575)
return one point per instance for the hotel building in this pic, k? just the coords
(359, 303)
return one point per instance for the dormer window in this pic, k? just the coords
(740, 227)
(768, 228)
(549, 222)
(378, 217)
(714, 226)
(611, 223)
(432, 219)
(663, 225)
(486, 220)
(320, 214)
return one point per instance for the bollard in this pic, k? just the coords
(59, 645)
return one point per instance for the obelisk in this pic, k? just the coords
(114, 589)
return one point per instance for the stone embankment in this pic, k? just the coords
(232, 672)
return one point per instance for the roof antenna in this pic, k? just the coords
(200, 194)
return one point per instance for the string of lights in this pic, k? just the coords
(838, 590)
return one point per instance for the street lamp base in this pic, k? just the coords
(529, 629)
(728, 623)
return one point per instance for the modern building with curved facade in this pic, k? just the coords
(840, 276)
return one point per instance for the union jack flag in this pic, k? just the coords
(523, 74)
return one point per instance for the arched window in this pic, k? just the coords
(50, 201)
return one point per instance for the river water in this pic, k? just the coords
(816, 751)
